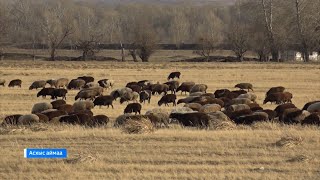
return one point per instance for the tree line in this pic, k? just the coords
(265, 27)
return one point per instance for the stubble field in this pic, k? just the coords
(243, 153)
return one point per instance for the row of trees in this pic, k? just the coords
(263, 26)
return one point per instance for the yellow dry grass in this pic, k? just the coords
(174, 153)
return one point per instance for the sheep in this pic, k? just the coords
(103, 101)
(11, 120)
(182, 110)
(119, 92)
(239, 92)
(145, 95)
(305, 107)
(133, 107)
(285, 115)
(76, 84)
(278, 89)
(97, 89)
(210, 108)
(91, 85)
(296, 117)
(235, 114)
(86, 94)
(82, 106)
(169, 98)
(45, 92)
(315, 107)
(225, 100)
(129, 96)
(42, 118)
(53, 114)
(210, 95)
(100, 120)
(196, 94)
(56, 104)
(250, 119)
(278, 98)
(173, 86)
(312, 119)
(271, 113)
(255, 106)
(2, 82)
(261, 113)
(185, 87)
(208, 100)
(37, 84)
(87, 79)
(247, 86)
(39, 107)
(86, 111)
(199, 88)
(232, 95)
(143, 83)
(281, 108)
(51, 82)
(65, 107)
(59, 93)
(160, 88)
(248, 95)
(237, 107)
(79, 118)
(106, 83)
(193, 106)
(187, 99)
(193, 119)
(173, 75)
(15, 82)
(61, 82)
(240, 101)
(135, 88)
(221, 93)
(28, 119)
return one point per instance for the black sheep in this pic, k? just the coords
(169, 98)
(174, 75)
(59, 93)
(103, 101)
(219, 93)
(45, 92)
(87, 79)
(249, 119)
(173, 86)
(145, 95)
(133, 108)
(100, 120)
(15, 82)
(194, 119)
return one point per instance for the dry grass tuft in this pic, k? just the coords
(142, 126)
(266, 126)
(300, 158)
(23, 129)
(289, 142)
(81, 158)
(222, 125)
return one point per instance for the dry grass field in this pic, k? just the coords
(174, 153)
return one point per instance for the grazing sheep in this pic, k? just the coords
(193, 119)
(15, 82)
(219, 93)
(235, 114)
(97, 89)
(173, 75)
(103, 101)
(247, 86)
(210, 108)
(193, 106)
(129, 96)
(100, 120)
(106, 83)
(249, 95)
(158, 119)
(80, 118)
(57, 103)
(273, 90)
(91, 85)
(315, 107)
(239, 92)
(199, 88)
(51, 82)
(271, 113)
(312, 119)
(250, 119)
(160, 88)
(45, 92)
(278, 98)
(281, 108)
(185, 87)
(145, 96)
(173, 86)
(39, 107)
(237, 107)
(232, 95)
(28, 119)
(65, 107)
(187, 99)
(89, 112)
(119, 92)
(144, 83)
(240, 101)
(295, 116)
(87, 79)
(2, 81)
(133, 108)
(305, 107)
(54, 113)
(76, 84)
(42, 118)
(169, 98)
(62, 82)
(255, 107)
(182, 110)
(135, 88)
(82, 106)
(284, 117)
(86, 94)
(11, 120)
(59, 93)
(37, 84)
(261, 113)
(209, 100)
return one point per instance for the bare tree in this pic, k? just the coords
(179, 28)
(205, 47)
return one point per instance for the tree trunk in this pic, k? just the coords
(53, 54)
(134, 55)
(306, 56)
(275, 55)
(240, 57)
(122, 53)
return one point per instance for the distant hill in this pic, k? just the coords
(195, 2)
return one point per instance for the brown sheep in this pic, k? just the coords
(193, 106)
(185, 87)
(65, 107)
(160, 88)
(199, 88)
(76, 84)
(62, 82)
(275, 90)
(15, 82)
(312, 119)
(219, 93)
(57, 103)
(133, 108)
(173, 86)
(281, 108)
(37, 84)
(247, 86)
(169, 98)
(278, 98)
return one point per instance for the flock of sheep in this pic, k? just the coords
(201, 109)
